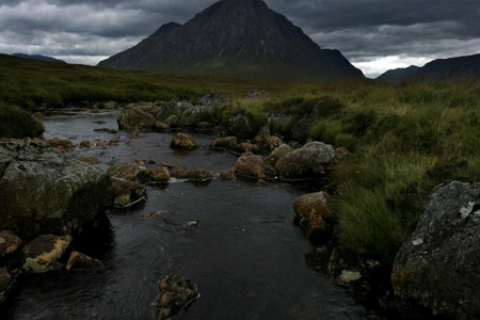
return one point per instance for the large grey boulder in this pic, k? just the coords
(438, 268)
(308, 161)
(42, 190)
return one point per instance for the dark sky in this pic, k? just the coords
(374, 35)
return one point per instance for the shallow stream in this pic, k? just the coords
(246, 255)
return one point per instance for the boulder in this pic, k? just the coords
(265, 140)
(81, 262)
(183, 141)
(159, 174)
(135, 118)
(313, 213)
(224, 143)
(43, 190)
(249, 147)
(279, 153)
(44, 253)
(251, 166)
(9, 243)
(184, 114)
(307, 161)
(133, 171)
(225, 176)
(176, 293)
(60, 144)
(280, 124)
(438, 267)
(241, 125)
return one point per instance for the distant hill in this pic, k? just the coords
(236, 38)
(465, 68)
(398, 75)
(36, 57)
(460, 68)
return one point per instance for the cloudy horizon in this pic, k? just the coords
(375, 35)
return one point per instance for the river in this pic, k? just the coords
(246, 255)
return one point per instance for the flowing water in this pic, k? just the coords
(246, 255)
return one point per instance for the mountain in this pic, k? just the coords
(465, 68)
(236, 38)
(36, 57)
(398, 75)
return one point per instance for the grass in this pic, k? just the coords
(404, 140)
(18, 123)
(38, 85)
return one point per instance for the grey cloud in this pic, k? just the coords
(364, 30)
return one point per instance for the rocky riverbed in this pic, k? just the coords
(235, 239)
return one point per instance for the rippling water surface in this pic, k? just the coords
(246, 255)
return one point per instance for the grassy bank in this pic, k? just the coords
(404, 141)
(34, 84)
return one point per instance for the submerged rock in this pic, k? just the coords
(198, 175)
(224, 143)
(438, 267)
(307, 161)
(313, 213)
(127, 193)
(42, 190)
(183, 141)
(81, 262)
(153, 215)
(44, 252)
(9, 243)
(85, 144)
(60, 144)
(176, 293)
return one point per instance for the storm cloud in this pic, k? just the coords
(375, 35)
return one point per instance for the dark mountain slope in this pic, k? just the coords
(460, 68)
(398, 75)
(236, 38)
(36, 57)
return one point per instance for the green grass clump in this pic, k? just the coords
(18, 123)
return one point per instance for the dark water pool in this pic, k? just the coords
(246, 255)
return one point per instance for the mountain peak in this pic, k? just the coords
(236, 38)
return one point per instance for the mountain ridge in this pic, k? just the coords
(236, 38)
